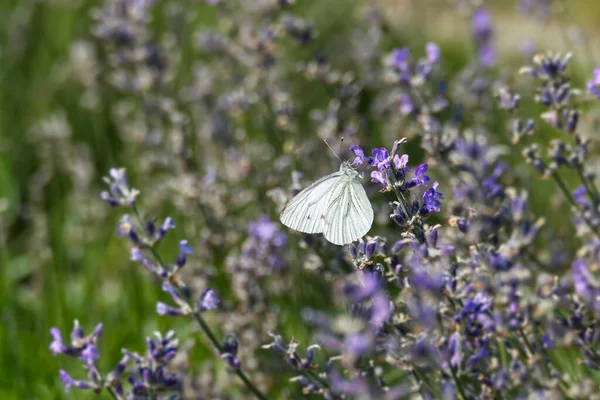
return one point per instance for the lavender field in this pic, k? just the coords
(150, 247)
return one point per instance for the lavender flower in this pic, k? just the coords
(468, 290)
(540, 9)
(120, 191)
(483, 34)
(208, 300)
(149, 374)
(230, 350)
(80, 344)
(593, 85)
(70, 382)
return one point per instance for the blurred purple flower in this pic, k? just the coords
(357, 344)
(57, 346)
(89, 354)
(380, 310)
(540, 9)
(586, 285)
(400, 59)
(165, 227)
(487, 55)
(481, 23)
(184, 251)
(482, 354)
(70, 382)
(476, 316)
(165, 309)
(266, 230)
(433, 52)
(264, 245)
(368, 286)
(208, 300)
(120, 192)
(406, 105)
(593, 85)
(455, 350)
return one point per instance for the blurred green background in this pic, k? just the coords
(59, 257)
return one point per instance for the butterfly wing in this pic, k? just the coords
(349, 214)
(306, 211)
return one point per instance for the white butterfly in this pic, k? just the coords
(336, 206)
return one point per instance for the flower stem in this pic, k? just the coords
(463, 395)
(571, 200)
(310, 373)
(589, 186)
(112, 393)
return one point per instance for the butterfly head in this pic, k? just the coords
(348, 169)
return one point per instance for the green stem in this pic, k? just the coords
(206, 329)
(421, 378)
(529, 347)
(314, 376)
(589, 187)
(463, 395)
(571, 200)
(112, 393)
(203, 325)
(531, 350)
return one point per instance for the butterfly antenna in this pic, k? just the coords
(333, 151)
(341, 142)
